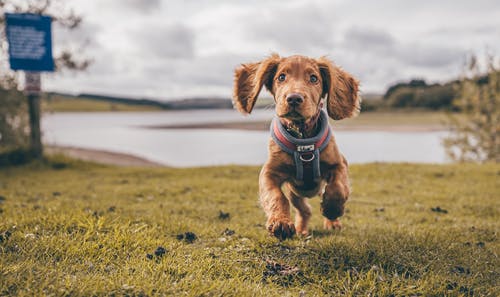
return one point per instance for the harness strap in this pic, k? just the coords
(304, 151)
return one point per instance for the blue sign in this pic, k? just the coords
(30, 41)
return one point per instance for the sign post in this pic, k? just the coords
(30, 48)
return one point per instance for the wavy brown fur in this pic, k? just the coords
(341, 90)
(249, 79)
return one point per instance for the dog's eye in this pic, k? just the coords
(313, 78)
(281, 77)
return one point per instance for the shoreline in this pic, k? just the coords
(264, 126)
(102, 156)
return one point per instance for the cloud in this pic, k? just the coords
(142, 6)
(429, 56)
(171, 41)
(81, 37)
(383, 47)
(177, 49)
(368, 39)
(301, 28)
(378, 58)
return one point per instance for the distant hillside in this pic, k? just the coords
(418, 93)
(52, 102)
(94, 102)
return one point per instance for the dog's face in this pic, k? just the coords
(297, 84)
(297, 88)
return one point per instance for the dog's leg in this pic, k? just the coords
(275, 205)
(336, 194)
(302, 211)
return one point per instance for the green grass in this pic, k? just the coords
(59, 103)
(395, 118)
(74, 228)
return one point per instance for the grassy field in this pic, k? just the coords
(58, 103)
(395, 118)
(74, 228)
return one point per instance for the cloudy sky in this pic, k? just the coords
(182, 48)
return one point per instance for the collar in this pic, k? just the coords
(304, 150)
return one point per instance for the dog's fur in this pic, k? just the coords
(277, 184)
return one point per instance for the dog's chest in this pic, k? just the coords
(308, 186)
(308, 190)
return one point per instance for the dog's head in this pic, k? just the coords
(298, 84)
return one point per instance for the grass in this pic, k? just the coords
(57, 103)
(397, 117)
(75, 228)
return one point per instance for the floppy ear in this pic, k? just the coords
(341, 90)
(249, 79)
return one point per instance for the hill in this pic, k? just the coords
(53, 101)
(417, 93)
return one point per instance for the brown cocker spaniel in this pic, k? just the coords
(304, 160)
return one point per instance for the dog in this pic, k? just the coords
(304, 160)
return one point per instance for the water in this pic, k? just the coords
(124, 132)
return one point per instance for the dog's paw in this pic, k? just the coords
(302, 231)
(332, 224)
(281, 229)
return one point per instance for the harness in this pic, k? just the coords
(306, 151)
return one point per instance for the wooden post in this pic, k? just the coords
(32, 88)
(35, 132)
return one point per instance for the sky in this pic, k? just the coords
(179, 49)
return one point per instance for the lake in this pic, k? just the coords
(124, 132)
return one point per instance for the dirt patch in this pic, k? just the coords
(228, 232)
(282, 274)
(439, 209)
(224, 215)
(188, 237)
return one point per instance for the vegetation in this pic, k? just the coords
(417, 93)
(74, 228)
(476, 132)
(14, 124)
(13, 116)
(423, 120)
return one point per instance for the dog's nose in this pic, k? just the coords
(294, 99)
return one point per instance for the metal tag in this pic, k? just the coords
(32, 82)
(305, 148)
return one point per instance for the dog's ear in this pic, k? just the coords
(341, 90)
(249, 79)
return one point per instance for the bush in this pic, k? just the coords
(476, 129)
(436, 97)
(14, 125)
(402, 97)
(15, 157)
(415, 94)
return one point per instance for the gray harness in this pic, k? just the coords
(304, 151)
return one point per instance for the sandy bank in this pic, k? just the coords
(101, 156)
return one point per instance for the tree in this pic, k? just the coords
(475, 130)
(414, 83)
(13, 115)
(13, 111)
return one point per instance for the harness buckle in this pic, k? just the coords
(306, 158)
(305, 148)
